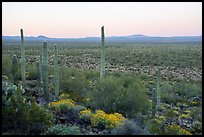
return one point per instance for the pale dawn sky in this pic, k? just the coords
(84, 19)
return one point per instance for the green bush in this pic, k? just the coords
(7, 66)
(125, 95)
(74, 82)
(31, 72)
(187, 90)
(196, 128)
(63, 130)
(175, 129)
(25, 114)
(129, 128)
(66, 109)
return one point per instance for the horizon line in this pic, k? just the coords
(106, 36)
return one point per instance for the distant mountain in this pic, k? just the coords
(130, 38)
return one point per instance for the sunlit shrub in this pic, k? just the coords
(86, 115)
(102, 120)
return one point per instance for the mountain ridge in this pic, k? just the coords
(128, 38)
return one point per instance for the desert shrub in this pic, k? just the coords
(7, 68)
(31, 72)
(64, 96)
(175, 129)
(125, 95)
(7, 65)
(155, 126)
(187, 89)
(196, 128)
(25, 114)
(196, 113)
(74, 83)
(129, 128)
(169, 97)
(63, 130)
(102, 120)
(168, 94)
(66, 108)
(86, 115)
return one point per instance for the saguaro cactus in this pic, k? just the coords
(56, 75)
(15, 69)
(154, 101)
(158, 86)
(40, 69)
(102, 61)
(23, 66)
(45, 71)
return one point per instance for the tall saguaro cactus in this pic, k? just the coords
(158, 86)
(56, 75)
(45, 71)
(23, 66)
(102, 61)
(14, 69)
(154, 101)
(40, 69)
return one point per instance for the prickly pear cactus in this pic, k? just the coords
(23, 66)
(56, 75)
(15, 69)
(102, 61)
(45, 71)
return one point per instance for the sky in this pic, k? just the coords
(85, 19)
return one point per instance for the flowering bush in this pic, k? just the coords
(58, 105)
(184, 116)
(66, 109)
(64, 96)
(103, 120)
(175, 129)
(86, 115)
